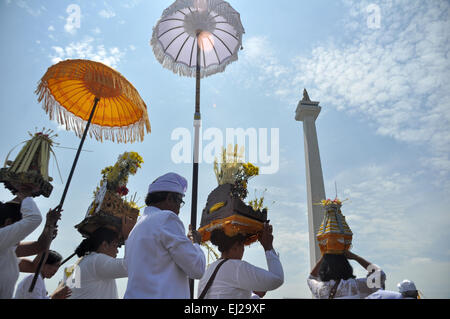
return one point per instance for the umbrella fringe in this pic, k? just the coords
(125, 134)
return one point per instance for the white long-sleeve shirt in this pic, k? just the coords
(98, 273)
(160, 258)
(10, 237)
(39, 291)
(237, 279)
(353, 288)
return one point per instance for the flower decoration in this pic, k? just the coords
(328, 201)
(250, 169)
(122, 191)
(257, 203)
(232, 170)
(116, 177)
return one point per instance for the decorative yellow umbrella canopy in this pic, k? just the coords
(69, 89)
(78, 93)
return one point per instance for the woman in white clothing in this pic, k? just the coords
(18, 219)
(237, 279)
(48, 270)
(332, 277)
(98, 266)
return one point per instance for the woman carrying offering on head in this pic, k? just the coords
(98, 266)
(332, 277)
(237, 279)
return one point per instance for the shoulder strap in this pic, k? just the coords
(211, 279)
(333, 290)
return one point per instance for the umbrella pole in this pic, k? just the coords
(41, 261)
(197, 124)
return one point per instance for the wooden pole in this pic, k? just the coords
(41, 261)
(197, 124)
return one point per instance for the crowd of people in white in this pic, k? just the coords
(160, 258)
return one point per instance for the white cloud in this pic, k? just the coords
(70, 28)
(107, 13)
(96, 30)
(131, 4)
(386, 219)
(24, 5)
(396, 76)
(292, 242)
(86, 50)
(258, 52)
(51, 28)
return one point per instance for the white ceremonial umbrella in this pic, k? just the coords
(197, 38)
(208, 31)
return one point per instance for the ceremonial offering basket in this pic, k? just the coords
(230, 213)
(334, 235)
(29, 170)
(225, 208)
(110, 204)
(107, 210)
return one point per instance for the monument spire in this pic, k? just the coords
(307, 112)
(305, 96)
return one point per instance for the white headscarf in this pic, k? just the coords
(170, 182)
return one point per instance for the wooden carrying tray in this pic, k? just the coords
(233, 225)
(231, 214)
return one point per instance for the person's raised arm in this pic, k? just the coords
(48, 233)
(30, 266)
(265, 237)
(351, 256)
(253, 278)
(11, 235)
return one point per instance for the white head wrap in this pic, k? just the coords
(406, 285)
(170, 182)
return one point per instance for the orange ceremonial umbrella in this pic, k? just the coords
(69, 89)
(88, 96)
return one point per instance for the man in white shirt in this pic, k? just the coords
(159, 255)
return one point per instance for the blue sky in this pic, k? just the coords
(384, 133)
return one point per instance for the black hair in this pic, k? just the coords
(93, 242)
(9, 211)
(224, 242)
(53, 258)
(334, 267)
(157, 197)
